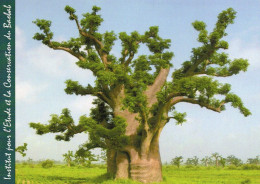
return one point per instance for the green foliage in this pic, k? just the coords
(115, 135)
(73, 87)
(154, 42)
(44, 25)
(63, 124)
(192, 161)
(179, 117)
(71, 11)
(177, 161)
(206, 161)
(47, 164)
(91, 21)
(84, 157)
(254, 161)
(250, 167)
(22, 149)
(237, 103)
(232, 160)
(109, 39)
(129, 43)
(68, 157)
(222, 161)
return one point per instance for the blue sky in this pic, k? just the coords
(41, 72)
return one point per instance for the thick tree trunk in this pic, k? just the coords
(138, 166)
(141, 163)
(111, 162)
(147, 170)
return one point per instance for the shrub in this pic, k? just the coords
(189, 166)
(247, 181)
(232, 167)
(47, 164)
(250, 167)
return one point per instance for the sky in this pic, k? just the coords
(41, 73)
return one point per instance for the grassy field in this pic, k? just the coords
(35, 174)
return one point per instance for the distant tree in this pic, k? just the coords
(135, 100)
(22, 149)
(232, 160)
(192, 161)
(68, 157)
(47, 163)
(205, 161)
(177, 161)
(216, 157)
(84, 157)
(254, 161)
(30, 161)
(188, 161)
(222, 161)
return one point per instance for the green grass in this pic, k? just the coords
(80, 175)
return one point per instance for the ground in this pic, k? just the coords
(59, 174)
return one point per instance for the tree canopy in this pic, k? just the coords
(138, 82)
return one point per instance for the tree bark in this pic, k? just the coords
(111, 162)
(145, 168)
(140, 162)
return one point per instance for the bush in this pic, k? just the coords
(189, 166)
(250, 167)
(247, 181)
(47, 164)
(232, 167)
(72, 164)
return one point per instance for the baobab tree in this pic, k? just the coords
(216, 156)
(206, 161)
(134, 100)
(68, 157)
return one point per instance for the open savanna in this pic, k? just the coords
(59, 174)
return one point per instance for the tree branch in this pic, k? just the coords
(130, 58)
(178, 99)
(105, 98)
(77, 55)
(98, 44)
(205, 73)
(156, 86)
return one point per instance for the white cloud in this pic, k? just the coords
(19, 38)
(49, 61)
(83, 104)
(27, 92)
(238, 49)
(46, 147)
